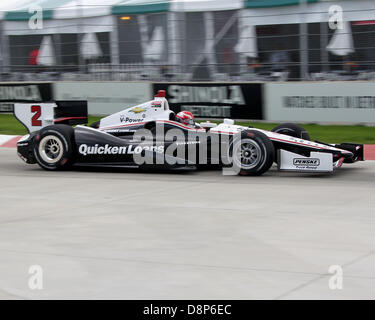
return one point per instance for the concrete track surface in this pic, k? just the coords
(188, 235)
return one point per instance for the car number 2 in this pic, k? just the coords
(35, 120)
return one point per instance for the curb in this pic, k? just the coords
(369, 151)
(8, 141)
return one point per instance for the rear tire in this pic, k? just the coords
(253, 154)
(95, 125)
(292, 130)
(54, 147)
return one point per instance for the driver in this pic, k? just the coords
(187, 118)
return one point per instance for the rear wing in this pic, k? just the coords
(35, 116)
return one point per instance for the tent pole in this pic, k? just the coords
(114, 48)
(184, 67)
(174, 45)
(5, 50)
(143, 30)
(303, 40)
(80, 31)
(219, 35)
(114, 43)
(323, 46)
(243, 59)
(210, 43)
(58, 54)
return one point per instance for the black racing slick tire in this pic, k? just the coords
(54, 147)
(95, 125)
(292, 130)
(253, 154)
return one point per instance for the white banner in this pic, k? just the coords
(343, 102)
(104, 97)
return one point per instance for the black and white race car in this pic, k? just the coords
(148, 135)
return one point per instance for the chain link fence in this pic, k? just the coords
(190, 46)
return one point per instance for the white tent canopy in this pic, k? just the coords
(86, 25)
(62, 9)
(7, 5)
(204, 5)
(63, 16)
(247, 44)
(317, 12)
(90, 47)
(155, 48)
(341, 43)
(46, 56)
(84, 8)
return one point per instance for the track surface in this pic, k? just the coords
(190, 235)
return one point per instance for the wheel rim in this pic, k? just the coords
(247, 154)
(51, 149)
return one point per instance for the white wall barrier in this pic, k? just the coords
(104, 97)
(342, 102)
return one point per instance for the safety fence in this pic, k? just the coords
(232, 43)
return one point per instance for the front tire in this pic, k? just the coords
(292, 130)
(54, 147)
(253, 154)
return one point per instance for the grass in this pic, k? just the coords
(330, 133)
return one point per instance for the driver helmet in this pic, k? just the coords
(186, 118)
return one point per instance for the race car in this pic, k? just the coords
(152, 135)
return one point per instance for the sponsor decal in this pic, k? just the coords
(215, 100)
(328, 102)
(137, 110)
(28, 92)
(23, 144)
(22, 157)
(129, 120)
(17, 92)
(107, 149)
(302, 161)
(209, 111)
(214, 94)
(306, 163)
(119, 130)
(6, 107)
(187, 143)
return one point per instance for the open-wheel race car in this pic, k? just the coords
(152, 135)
